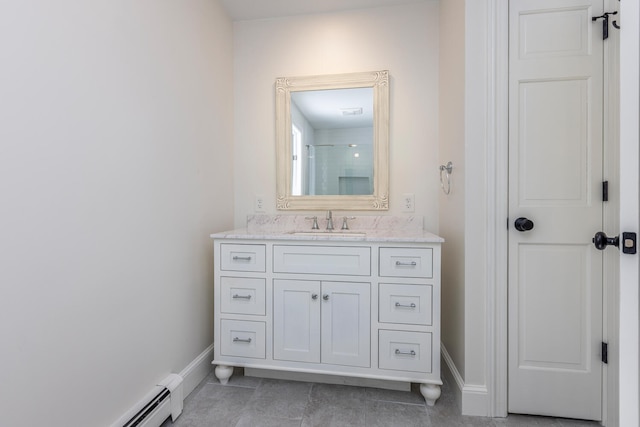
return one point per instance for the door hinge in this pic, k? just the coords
(605, 352)
(605, 191)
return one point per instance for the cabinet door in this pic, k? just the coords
(296, 320)
(346, 319)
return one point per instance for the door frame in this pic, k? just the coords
(629, 211)
(497, 139)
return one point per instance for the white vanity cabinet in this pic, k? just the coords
(357, 307)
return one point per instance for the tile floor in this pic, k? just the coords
(255, 402)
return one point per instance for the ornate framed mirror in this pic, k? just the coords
(332, 142)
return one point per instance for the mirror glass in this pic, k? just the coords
(332, 141)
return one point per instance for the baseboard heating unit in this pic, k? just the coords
(164, 400)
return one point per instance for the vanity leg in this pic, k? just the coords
(430, 392)
(223, 373)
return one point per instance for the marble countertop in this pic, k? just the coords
(362, 229)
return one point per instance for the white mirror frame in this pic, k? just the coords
(379, 200)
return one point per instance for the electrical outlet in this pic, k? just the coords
(259, 204)
(408, 202)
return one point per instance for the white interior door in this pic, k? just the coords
(555, 181)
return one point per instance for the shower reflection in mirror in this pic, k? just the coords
(332, 142)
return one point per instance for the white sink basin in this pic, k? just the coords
(329, 233)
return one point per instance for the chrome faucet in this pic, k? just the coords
(329, 221)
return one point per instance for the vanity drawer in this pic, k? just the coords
(242, 295)
(242, 257)
(406, 262)
(409, 304)
(349, 260)
(405, 351)
(242, 338)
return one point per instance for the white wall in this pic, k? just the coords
(629, 386)
(467, 131)
(115, 166)
(452, 148)
(477, 56)
(402, 39)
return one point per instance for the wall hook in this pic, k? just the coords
(615, 23)
(448, 167)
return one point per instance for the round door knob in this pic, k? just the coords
(325, 297)
(601, 241)
(314, 296)
(523, 224)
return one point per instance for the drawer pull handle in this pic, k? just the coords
(236, 296)
(406, 264)
(405, 353)
(242, 258)
(412, 305)
(248, 340)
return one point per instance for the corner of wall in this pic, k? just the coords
(197, 370)
(451, 135)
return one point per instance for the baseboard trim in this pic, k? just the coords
(475, 400)
(197, 370)
(472, 398)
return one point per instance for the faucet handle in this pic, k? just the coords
(345, 225)
(315, 222)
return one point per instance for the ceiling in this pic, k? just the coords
(241, 10)
(323, 109)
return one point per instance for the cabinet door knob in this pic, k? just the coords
(314, 296)
(325, 297)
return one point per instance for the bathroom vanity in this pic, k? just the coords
(363, 303)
